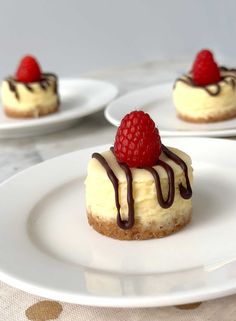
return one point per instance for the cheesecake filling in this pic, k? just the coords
(135, 194)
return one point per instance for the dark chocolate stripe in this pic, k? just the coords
(230, 80)
(171, 183)
(29, 87)
(124, 224)
(185, 192)
(12, 87)
(111, 176)
(214, 92)
(43, 84)
(130, 200)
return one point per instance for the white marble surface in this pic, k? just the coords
(18, 154)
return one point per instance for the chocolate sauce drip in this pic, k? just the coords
(185, 192)
(186, 80)
(50, 74)
(213, 93)
(230, 78)
(12, 87)
(29, 87)
(127, 224)
(112, 177)
(171, 183)
(223, 68)
(55, 88)
(43, 84)
(233, 82)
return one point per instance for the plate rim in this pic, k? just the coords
(166, 133)
(122, 301)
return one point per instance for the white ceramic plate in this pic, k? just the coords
(157, 101)
(47, 247)
(79, 98)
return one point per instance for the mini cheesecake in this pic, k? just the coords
(130, 203)
(207, 93)
(203, 104)
(30, 98)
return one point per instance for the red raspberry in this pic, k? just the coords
(28, 70)
(137, 142)
(205, 70)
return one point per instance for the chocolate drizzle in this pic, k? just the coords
(44, 83)
(28, 87)
(228, 77)
(185, 192)
(111, 176)
(127, 224)
(12, 87)
(171, 183)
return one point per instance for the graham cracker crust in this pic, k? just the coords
(209, 119)
(138, 231)
(34, 113)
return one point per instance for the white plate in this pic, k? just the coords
(47, 247)
(157, 101)
(79, 98)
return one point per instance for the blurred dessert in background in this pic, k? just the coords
(30, 93)
(207, 93)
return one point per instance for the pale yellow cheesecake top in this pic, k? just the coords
(205, 101)
(24, 97)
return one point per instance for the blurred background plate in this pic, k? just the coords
(79, 98)
(157, 101)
